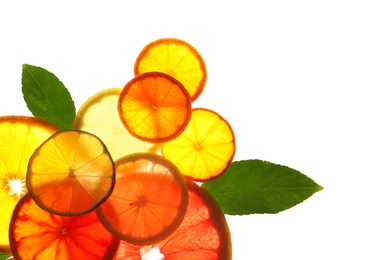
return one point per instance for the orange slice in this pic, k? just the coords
(71, 173)
(99, 115)
(203, 234)
(176, 58)
(38, 234)
(20, 136)
(149, 200)
(205, 149)
(154, 107)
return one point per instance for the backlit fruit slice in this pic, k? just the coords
(206, 147)
(203, 234)
(154, 107)
(176, 58)
(99, 116)
(71, 173)
(149, 200)
(20, 136)
(38, 234)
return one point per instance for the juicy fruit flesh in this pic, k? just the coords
(99, 115)
(153, 211)
(68, 166)
(205, 148)
(203, 234)
(176, 58)
(148, 202)
(154, 107)
(37, 234)
(20, 136)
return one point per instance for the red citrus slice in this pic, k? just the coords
(203, 234)
(39, 235)
(149, 200)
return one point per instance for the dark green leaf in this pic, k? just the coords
(46, 97)
(255, 186)
(5, 256)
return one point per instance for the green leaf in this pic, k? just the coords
(46, 97)
(255, 186)
(5, 256)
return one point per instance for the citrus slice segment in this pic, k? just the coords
(149, 200)
(154, 107)
(203, 234)
(38, 234)
(71, 173)
(99, 115)
(206, 147)
(176, 58)
(20, 136)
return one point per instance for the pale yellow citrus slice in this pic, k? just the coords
(71, 173)
(99, 115)
(176, 58)
(20, 136)
(206, 147)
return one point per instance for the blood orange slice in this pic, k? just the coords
(40, 235)
(203, 234)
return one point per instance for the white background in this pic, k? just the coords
(303, 84)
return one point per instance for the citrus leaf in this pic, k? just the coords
(5, 256)
(255, 186)
(47, 97)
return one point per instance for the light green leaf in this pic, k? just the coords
(46, 97)
(5, 256)
(255, 186)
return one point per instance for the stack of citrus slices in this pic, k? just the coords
(123, 183)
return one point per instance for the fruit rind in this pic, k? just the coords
(134, 112)
(65, 174)
(142, 167)
(194, 91)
